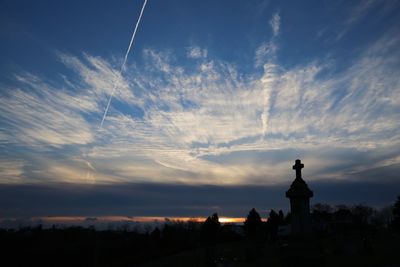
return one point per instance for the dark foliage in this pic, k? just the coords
(253, 226)
(341, 232)
(274, 221)
(210, 229)
(78, 246)
(396, 215)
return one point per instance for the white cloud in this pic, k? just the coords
(11, 171)
(40, 114)
(196, 52)
(265, 52)
(193, 121)
(275, 23)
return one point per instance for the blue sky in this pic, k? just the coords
(221, 93)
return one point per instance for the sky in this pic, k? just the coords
(215, 102)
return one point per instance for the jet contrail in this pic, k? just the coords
(124, 63)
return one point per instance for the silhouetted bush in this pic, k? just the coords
(253, 226)
(273, 223)
(210, 229)
(396, 215)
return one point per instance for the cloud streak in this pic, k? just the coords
(124, 62)
(157, 199)
(357, 13)
(275, 23)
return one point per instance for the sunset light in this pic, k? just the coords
(199, 133)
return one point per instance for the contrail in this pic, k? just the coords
(124, 63)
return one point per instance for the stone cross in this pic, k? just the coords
(298, 166)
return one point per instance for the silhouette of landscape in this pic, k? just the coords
(199, 133)
(322, 235)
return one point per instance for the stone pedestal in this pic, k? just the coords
(299, 195)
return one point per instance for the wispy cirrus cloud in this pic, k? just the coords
(11, 171)
(196, 52)
(266, 51)
(356, 14)
(275, 23)
(209, 123)
(42, 115)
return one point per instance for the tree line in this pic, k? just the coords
(78, 246)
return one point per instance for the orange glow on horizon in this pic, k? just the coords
(231, 220)
(143, 219)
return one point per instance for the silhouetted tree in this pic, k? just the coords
(281, 216)
(342, 207)
(322, 208)
(253, 225)
(342, 213)
(342, 220)
(396, 214)
(383, 217)
(322, 216)
(362, 214)
(274, 220)
(286, 219)
(155, 235)
(211, 228)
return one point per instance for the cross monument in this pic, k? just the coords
(299, 195)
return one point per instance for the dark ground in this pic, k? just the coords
(87, 247)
